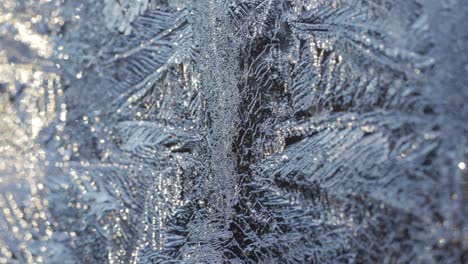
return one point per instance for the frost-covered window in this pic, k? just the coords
(233, 131)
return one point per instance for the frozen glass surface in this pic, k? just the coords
(233, 131)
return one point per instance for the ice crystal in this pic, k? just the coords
(233, 131)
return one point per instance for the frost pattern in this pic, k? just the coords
(233, 131)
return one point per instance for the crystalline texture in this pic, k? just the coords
(233, 131)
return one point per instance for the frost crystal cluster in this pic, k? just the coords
(233, 131)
